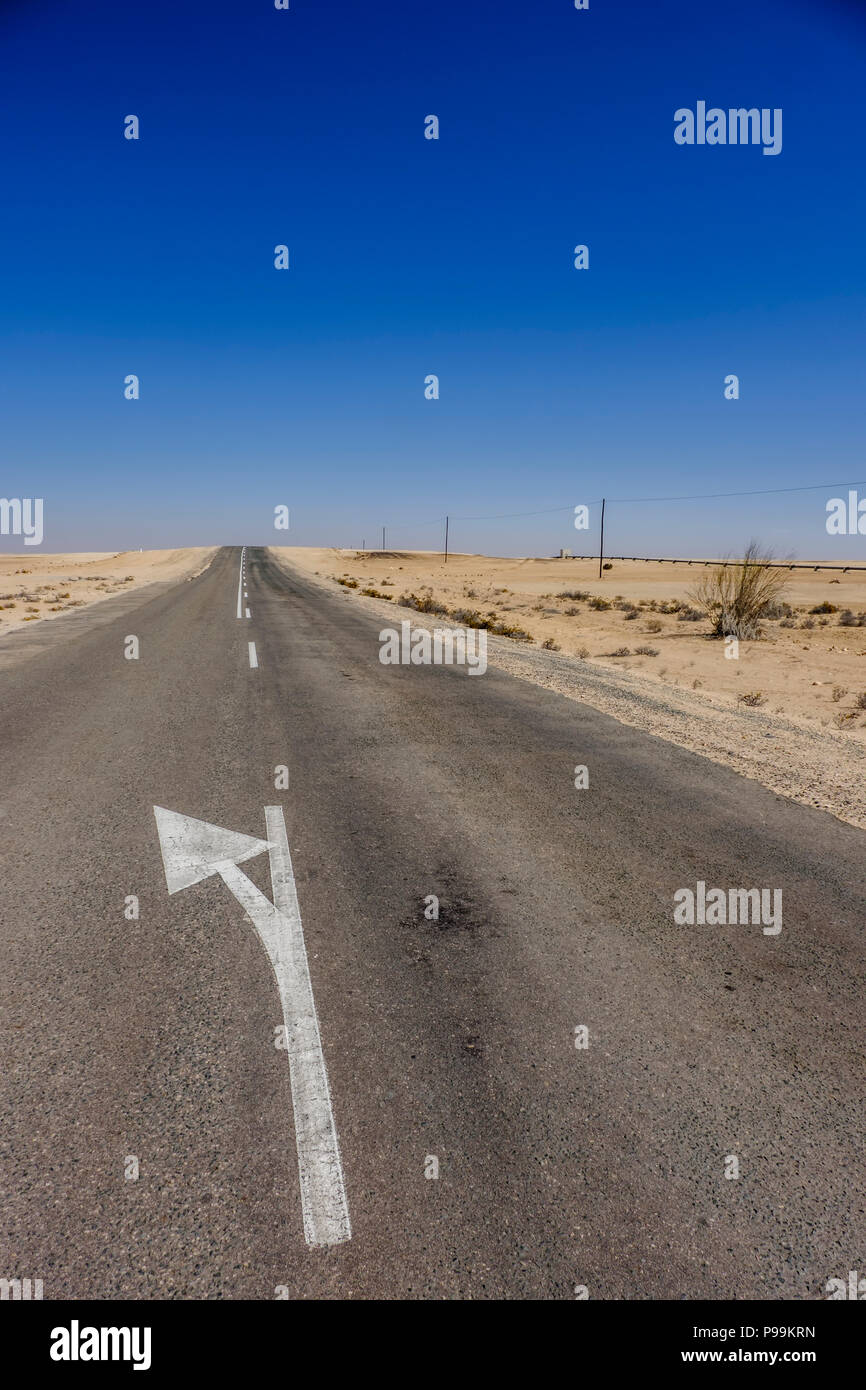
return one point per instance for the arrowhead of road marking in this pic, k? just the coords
(194, 849)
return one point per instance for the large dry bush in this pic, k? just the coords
(736, 596)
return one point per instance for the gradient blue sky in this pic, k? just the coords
(411, 256)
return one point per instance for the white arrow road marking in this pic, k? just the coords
(254, 661)
(326, 1211)
(192, 850)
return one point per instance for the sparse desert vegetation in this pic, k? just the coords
(810, 642)
(57, 583)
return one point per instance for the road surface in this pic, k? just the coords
(561, 1168)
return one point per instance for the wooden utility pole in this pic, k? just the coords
(446, 540)
(383, 537)
(601, 541)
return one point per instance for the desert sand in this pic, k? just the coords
(806, 664)
(36, 588)
(800, 732)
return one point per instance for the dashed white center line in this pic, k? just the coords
(249, 614)
(254, 661)
(240, 580)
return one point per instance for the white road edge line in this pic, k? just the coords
(254, 661)
(240, 580)
(323, 1190)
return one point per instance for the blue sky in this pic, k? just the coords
(410, 257)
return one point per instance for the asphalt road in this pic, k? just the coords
(602, 1167)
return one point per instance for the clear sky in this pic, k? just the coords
(411, 256)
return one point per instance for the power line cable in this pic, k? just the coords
(622, 501)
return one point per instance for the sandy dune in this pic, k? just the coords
(34, 588)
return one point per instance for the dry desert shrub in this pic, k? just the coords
(845, 719)
(423, 603)
(737, 596)
(777, 609)
(504, 629)
(466, 617)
